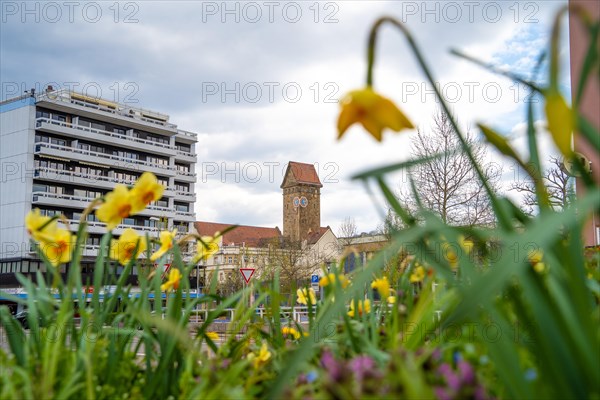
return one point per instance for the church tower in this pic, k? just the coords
(301, 201)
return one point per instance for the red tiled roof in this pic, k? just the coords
(302, 173)
(314, 237)
(252, 236)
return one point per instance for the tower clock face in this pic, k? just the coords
(303, 201)
(296, 201)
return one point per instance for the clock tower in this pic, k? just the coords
(301, 201)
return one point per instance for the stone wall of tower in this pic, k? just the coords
(299, 221)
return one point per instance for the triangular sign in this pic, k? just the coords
(247, 273)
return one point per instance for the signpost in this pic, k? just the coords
(314, 282)
(247, 274)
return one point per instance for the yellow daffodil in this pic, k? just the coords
(363, 307)
(145, 191)
(261, 358)
(57, 245)
(304, 295)
(173, 282)
(383, 286)
(289, 331)
(467, 245)
(418, 274)
(450, 255)
(373, 111)
(123, 249)
(391, 299)
(166, 243)
(37, 224)
(535, 259)
(214, 336)
(330, 279)
(117, 205)
(561, 122)
(208, 248)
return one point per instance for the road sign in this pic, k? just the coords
(314, 279)
(247, 273)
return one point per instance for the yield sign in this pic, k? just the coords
(247, 273)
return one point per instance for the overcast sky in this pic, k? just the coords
(259, 81)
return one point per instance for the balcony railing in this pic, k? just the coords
(188, 134)
(185, 153)
(183, 193)
(122, 110)
(39, 122)
(90, 177)
(74, 222)
(185, 213)
(61, 196)
(39, 145)
(86, 199)
(185, 173)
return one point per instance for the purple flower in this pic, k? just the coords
(361, 366)
(466, 372)
(450, 377)
(332, 366)
(441, 393)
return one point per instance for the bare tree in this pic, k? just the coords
(557, 182)
(346, 231)
(448, 185)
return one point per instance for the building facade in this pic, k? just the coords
(60, 150)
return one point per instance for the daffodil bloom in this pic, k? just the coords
(214, 336)
(363, 307)
(117, 205)
(391, 299)
(373, 111)
(173, 282)
(166, 243)
(208, 248)
(382, 285)
(450, 255)
(418, 274)
(289, 331)
(124, 249)
(37, 224)
(304, 295)
(145, 191)
(261, 358)
(467, 245)
(57, 245)
(329, 279)
(535, 259)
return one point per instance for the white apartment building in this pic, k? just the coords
(59, 150)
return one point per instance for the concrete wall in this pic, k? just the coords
(17, 135)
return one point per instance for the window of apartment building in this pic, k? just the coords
(79, 169)
(161, 203)
(128, 221)
(37, 187)
(49, 164)
(163, 181)
(183, 147)
(41, 138)
(157, 160)
(120, 131)
(126, 154)
(182, 167)
(93, 241)
(125, 176)
(99, 126)
(87, 193)
(42, 114)
(182, 187)
(230, 260)
(182, 207)
(49, 213)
